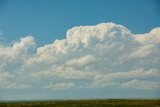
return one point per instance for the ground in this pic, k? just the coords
(85, 103)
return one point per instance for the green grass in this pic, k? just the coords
(85, 103)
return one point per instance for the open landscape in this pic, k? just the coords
(85, 103)
(79, 53)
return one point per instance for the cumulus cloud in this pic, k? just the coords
(81, 61)
(98, 56)
(7, 83)
(137, 84)
(103, 80)
(16, 53)
(17, 48)
(59, 86)
(12, 57)
(64, 73)
(151, 37)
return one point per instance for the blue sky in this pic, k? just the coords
(49, 20)
(105, 60)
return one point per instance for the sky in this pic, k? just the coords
(79, 49)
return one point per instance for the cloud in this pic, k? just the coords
(18, 48)
(85, 60)
(17, 52)
(102, 80)
(137, 84)
(64, 73)
(100, 55)
(7, 83)
(151, 37)
(12, 57)
(59, 86)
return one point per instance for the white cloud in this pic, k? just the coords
(142, 51)
(64, 73)
(18, 52)
(137, 84)
(102, 80)
(85, 60)
(100, 55)
(18, 48)
(60, 86)
(7, 83)
(152, 37)
(11, 59)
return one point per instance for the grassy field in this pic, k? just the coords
(85, 103)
